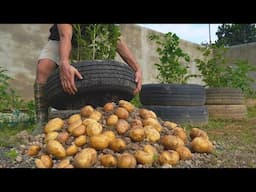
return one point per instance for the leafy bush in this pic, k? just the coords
(173, 66)
(94, 41)
(215, 71)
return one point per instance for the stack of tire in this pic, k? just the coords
(180, 103)
(103, 81)
(225, 103)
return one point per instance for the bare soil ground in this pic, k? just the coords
(234, 141)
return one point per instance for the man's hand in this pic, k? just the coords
(138, 80)
(67, 77)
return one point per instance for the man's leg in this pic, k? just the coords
(44, 69)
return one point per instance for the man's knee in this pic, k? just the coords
(44, 69)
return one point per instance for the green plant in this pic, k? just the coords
(237, 76)
(136, 101)
(212, 68)
(94, 41)
(11, 154)
(215, 71)
(173, 66)
(10, 101)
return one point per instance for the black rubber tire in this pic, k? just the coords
(224, 96)
(193, 115)
(172, 94)
(103, 81)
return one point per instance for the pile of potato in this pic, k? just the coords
(116, 135)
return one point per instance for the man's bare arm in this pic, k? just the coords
(128, 57)
(67, 72)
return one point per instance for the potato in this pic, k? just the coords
(137, 123)
(151, 134)
(64, 163)
(99, 142)
(71, 150)
(33, 150)
(153, 122)
(184, 153)
(112, 120)
(126, 160)
(122, 113)
(201, 145)
(87, 110)
(117, 145)
(169, 157)
(137, 134)
(53, 125)
(144, 158)
(46, 160)
(108, 107)
(145, 114)
(39, 163)
(110, 135)
(96, 115)
(88, 121)
(74, 118)
(94, 129)
(69, 166)
(62, 137)
(85, 158)
(78, 131)
(180, 132)
(170, 124)
(51, 136)
(150, 149)
(56, 149)
(127, 105)
(74, 125)
(108, 160)
(122, 126)
(196, 132)
(171, 142)
(80, 141)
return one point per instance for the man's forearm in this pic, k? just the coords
(65, 32)
(127, 56)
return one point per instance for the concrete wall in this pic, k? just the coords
(145, 51)
(243, 52)
(20, 45)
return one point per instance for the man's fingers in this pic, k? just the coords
(64, 85)
(78, 74)
(73, 86)
(67, 87)
(71, 89)
(135, 91)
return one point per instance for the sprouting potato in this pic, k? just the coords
(108, 107)
(122, 113)
(54, 125)
(112, 120)
(108, 160)
(73, 118)
(87, 110)
(126, 160)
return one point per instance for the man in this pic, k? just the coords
(57, 53)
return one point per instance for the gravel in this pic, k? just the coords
(222, 157)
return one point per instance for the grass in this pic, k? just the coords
(238, 138)
(12, 154)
